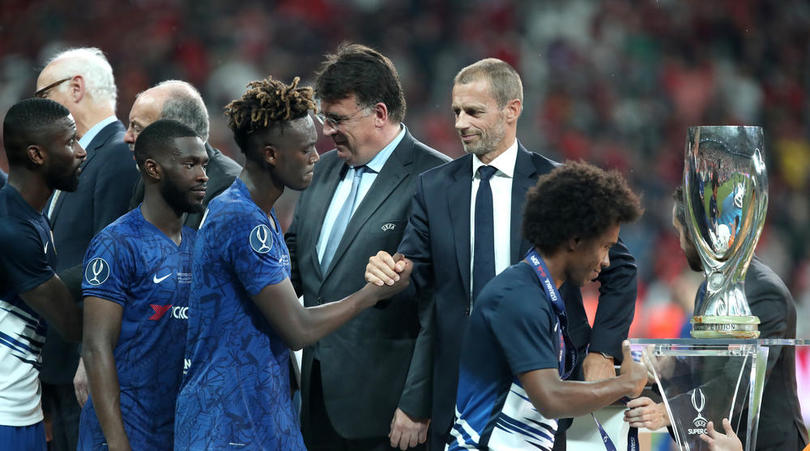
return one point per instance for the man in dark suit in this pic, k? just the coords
(367, 385)
(457, 247)
(82, 81)
(780, 421)
(179, 100)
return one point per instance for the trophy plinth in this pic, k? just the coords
(725, 200)
(725, 326)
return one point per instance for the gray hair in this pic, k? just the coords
(92, 65)
(504, 81)
(185, 104)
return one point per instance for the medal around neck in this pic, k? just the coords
(725, 201)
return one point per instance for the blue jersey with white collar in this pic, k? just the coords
(236, 392)
(133, 264)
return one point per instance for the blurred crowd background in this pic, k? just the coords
(613, 82)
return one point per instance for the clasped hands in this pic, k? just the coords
(384, 269)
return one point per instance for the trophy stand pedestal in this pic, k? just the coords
(725, 327)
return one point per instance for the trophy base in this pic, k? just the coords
(725, 327)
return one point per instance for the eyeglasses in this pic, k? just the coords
(43, 93)
(334, 120)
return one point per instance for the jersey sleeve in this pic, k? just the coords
(523, 325)
(108, 265)
(23, 256)
(256, 253)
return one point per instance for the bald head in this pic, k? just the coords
(171, 99)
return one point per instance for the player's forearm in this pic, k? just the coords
(568, 399)
(106, 394)
(317, 322)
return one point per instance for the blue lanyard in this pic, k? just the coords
(567, 357)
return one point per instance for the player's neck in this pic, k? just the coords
(34, 190)
(160, 214)
(263, 189)
(556, 266)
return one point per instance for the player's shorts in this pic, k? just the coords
(24, 438)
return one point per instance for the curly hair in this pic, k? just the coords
(576, 200)
(266, 104)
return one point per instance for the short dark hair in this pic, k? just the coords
(364, 72)
(27, 123)
(157, 136)
(267, 103)
(576, 200)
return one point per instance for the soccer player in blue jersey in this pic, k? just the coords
(43, 153)
(136, 285)
(244, 314)
(517, 355)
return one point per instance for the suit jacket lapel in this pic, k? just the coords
(392, 173)
(458, 204)
(525, 176)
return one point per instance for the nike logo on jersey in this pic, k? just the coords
(157, 279)
(46, 247)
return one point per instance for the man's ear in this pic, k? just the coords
(152, 169)
(77, 88)
(380, 111)
(270, 154)
(573, 244)
(36, 154)
(513, 110)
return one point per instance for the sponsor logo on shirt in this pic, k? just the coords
(260, 239)
(175, 311)
(97, 271)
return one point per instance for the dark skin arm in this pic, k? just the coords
(301, 326)
(556, 398)
(102, 319)
(52, 301)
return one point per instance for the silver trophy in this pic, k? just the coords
(726, 198)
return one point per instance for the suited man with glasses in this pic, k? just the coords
(367, 385)
(82, 81)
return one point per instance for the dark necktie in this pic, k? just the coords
(484, 247)
(342, 220)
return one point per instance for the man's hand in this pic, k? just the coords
(407, 432)
(635, 372)
(643, 412)
(80, 384)
(383, 269)
(597, 367)
(721, 442)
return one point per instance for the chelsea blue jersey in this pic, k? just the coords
(135, 265)
(236, 392)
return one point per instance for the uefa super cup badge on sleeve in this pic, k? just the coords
(725, 200)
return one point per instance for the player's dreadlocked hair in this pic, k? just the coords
(267, 103)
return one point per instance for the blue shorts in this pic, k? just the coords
(24, 438)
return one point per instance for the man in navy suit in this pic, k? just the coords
(451, 245)
(82, 81)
